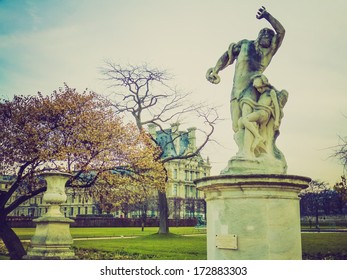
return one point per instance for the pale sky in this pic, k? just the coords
(45, 43)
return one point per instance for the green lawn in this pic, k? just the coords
(27, 233)
(324, 245)
(182, 243)
(154, 246)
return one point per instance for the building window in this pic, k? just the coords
(187, 194)
(175, 173)
(174, 190)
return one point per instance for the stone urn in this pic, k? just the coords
(52, 238)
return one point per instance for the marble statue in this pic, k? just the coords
(255, 105)
(253, 210)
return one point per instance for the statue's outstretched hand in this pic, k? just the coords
(212, 76)
(261, 12)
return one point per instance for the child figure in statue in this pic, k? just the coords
(264, 120)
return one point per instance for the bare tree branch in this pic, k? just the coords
(341, 151)
(148, 97)
(210, 118)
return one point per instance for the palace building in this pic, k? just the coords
(185, 201)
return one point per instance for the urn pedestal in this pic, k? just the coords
(52, 238)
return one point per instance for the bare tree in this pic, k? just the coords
(145, 94)
(312, 199)
(341, 151)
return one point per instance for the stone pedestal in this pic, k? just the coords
(52, 238)
(253, 217)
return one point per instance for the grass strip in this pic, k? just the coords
(182, 243)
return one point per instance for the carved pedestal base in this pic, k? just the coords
(260, 165)
(52, 239)
(253, 217)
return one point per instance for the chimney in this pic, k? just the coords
(192, 137)
(175, 135)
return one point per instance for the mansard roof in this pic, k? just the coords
(172, 144)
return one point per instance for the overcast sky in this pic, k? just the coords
(45, 43)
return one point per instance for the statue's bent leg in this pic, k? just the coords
(235, 113)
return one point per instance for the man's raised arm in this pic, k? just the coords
(280, 31)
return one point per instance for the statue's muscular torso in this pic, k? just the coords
(250, 61)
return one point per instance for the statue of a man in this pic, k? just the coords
(252, 58)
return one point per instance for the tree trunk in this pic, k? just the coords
(205, 209)
(317, 220)
(163, 213)
(144, 216)
(11, 240)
